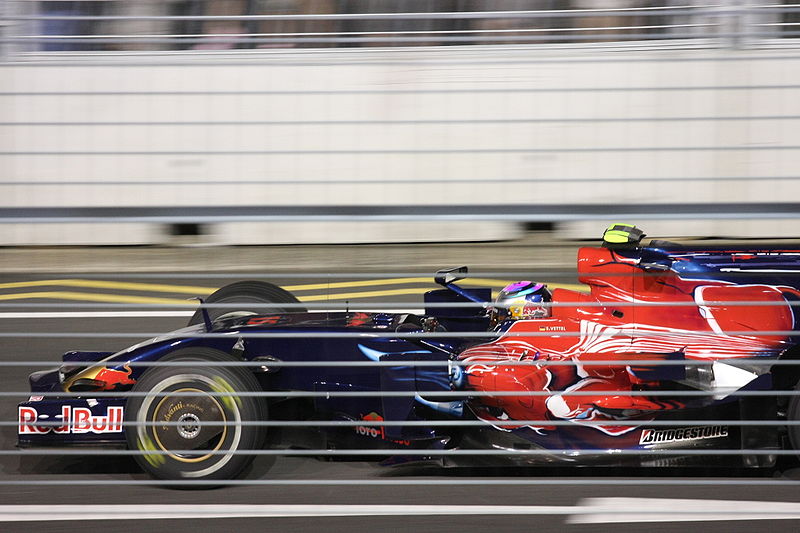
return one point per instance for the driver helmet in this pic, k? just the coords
(524, 299)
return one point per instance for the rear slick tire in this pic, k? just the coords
(251, 295)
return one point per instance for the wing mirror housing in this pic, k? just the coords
(446, 277)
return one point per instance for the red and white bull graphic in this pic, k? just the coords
(112, 377)
(74, 420)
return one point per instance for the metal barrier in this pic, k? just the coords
(222, 124)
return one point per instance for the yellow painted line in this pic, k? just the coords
(199, 290)
(351, 284)
(480, 282)
(100, 284)
(400, 292)
(128, 286)
(190, 289)
(351, 295)
(119, 298)
(28, 284)
(94, 297)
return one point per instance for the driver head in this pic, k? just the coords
(524, 299)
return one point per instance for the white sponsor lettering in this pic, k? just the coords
(73, 420)
(369, 431)
(655, 436)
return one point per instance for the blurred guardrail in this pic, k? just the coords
(240, 123)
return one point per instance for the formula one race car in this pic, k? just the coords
(658, 362)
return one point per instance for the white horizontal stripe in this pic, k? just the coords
(622, 510)
(588, 511)
(162, 314)
(38, 513)
(97, 314)
(761, 270)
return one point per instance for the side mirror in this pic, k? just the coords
(446, 277)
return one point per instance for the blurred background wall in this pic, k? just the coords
(292, 121)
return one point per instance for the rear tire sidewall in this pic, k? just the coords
(210, 382)
(248, 292)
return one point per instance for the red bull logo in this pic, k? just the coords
(72, 419)
(112, 377)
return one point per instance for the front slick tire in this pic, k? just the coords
(188, 423)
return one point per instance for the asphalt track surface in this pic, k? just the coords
(315, 494)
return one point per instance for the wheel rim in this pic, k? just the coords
(196, 422)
